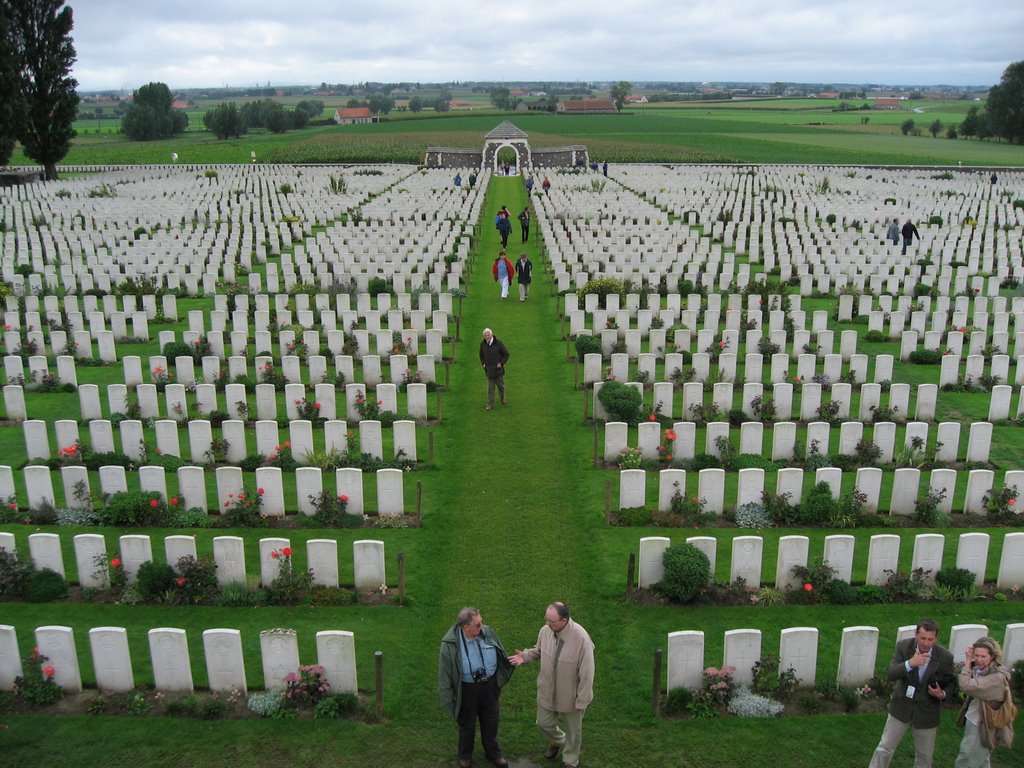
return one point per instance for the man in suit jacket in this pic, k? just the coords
(921, 670)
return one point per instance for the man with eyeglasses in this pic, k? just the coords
(565, 684)
(471, 669)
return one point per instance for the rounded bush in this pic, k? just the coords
(621, 402)
(173, 349)
(602, 286)
(155, 580)
(819, 505)
(687, 571)
(44, 586)
(586, 344)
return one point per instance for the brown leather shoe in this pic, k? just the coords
(552, 751)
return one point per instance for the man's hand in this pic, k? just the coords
(517, 660)
(919, 659)
(936, 692)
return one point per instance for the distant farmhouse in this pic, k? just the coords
(353, 115)
(636, 98)
(888, 104)
(587, 107)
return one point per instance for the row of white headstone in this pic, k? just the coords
(750, 486)
(92, 558)
(917, 436)
(883, 558)
(300, 434)
(798, 651)
(171, 664)
(230, 483)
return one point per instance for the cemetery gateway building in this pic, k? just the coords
(507, 135)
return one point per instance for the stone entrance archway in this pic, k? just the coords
(509, 136)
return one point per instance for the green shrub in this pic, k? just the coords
(838, 592)
(155, 580)
(602, 286)
(937, 220)
(586, 344)
(925, 357)
(45, 586)
(956, 580)
(173, 349)
(634, 517)
(377, 285)
(621, 401)
(874, 336)
(198, 580)
(14, 573)
(687, 571)
(678, 701)
(133, 508)
(819, 506)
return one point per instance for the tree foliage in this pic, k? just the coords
(500, 97)
(620, 91)
(1005, 105)
(40, 39)
(935, 127)
(906, 126)
(971, 125)
(415, 104)
(10, 96)
(312, 108)
(225, 121)
(150, 116)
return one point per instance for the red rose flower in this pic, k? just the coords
(174, 501)
(344, 497)
(154, 503)
(48, 671)
(275, 554)
(260, 491)
(808, 587)
(287, 551)
(116, 562)
(181, 581)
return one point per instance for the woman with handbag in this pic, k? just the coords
(986, 683)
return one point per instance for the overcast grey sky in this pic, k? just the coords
(184, 43)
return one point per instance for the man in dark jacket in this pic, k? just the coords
(524, 271)
(921, 670)
(472, 667)
(909, 232)
(493, 356)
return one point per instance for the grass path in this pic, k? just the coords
(507, 470)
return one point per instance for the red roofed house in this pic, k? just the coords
(888, 104)
(587, 107)
(352, 115)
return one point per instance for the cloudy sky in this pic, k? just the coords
(186, 43)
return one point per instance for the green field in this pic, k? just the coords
(805, 131)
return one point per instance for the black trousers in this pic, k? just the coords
(479, 702)
(526, 233)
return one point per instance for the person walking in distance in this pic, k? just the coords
(565, 683)
(524, 224)
(504, 225)
(471, 670)
(493, 357)
(894, 232)
(921, 670)
(502, 270)
(524, 273)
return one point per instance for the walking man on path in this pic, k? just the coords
(565, 684)
(921, 670)
(524, 272)
(493, 356)
(909, 233)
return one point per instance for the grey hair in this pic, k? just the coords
(488, 330)
(561, 609)
(466, 615)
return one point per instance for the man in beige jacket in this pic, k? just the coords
(565, 685)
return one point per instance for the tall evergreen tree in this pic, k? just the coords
(44, 53)
(10, 97)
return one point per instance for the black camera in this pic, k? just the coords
(479, 675)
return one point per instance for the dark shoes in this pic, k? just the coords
(465, 763)
(552, 751)
(501, 762)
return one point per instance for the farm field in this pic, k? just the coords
(790, 131)
(514, 507)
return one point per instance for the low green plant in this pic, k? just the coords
(154, 580)
(620, 401)
(36, 685)
(45, 586)
(956, 584)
